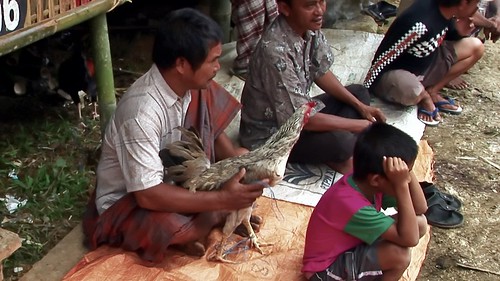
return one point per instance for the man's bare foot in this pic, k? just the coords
(428, 113)
(429, 118)
(446, 104)
(457, 84)
(255, 221)
(195, 248)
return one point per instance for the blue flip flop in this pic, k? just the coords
(448, 101)
(431, 114)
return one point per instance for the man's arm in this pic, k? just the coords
(405, 231)
(494, 32)
(322, 122)
(480, 21)
(168, 198)
(225, 148)
(491, 25)
(325, 122)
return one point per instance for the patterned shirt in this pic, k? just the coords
(411, 41)
(143, 123)
(343, 219)
(282, 69)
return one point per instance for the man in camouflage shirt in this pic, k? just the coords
(292, 54)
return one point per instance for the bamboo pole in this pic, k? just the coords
(23, 37)
(51, 8)
(103, 69)
(39, 10)
(27, 20)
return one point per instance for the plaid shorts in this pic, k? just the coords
(403, 87)
(360, 263)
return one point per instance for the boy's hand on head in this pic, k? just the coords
(396, 170)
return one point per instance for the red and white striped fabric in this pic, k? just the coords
(250, 18)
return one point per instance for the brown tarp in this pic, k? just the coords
(284, 226)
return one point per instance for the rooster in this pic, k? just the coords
(76, 79)
(266, 162)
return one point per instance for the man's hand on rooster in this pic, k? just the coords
(238, 195)
(239, 179)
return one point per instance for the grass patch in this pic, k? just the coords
(48, 159)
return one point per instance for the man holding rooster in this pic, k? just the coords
(132, 207)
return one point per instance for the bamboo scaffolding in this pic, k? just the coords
(46, 27)
(104, 69)
(54, 17)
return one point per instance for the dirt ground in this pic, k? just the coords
(467, 164)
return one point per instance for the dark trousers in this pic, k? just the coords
(333, 146)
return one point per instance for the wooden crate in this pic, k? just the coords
(40, 10)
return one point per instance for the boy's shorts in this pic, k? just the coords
(360, 263)
(403, 87)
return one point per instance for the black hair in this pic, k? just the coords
(185, 33)
(450, 3)
(377, 141)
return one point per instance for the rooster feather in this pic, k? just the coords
(266, 162)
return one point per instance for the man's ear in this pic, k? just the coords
(283, 8)
(182, 65)
(377, 180)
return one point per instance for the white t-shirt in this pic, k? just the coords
(143, 123)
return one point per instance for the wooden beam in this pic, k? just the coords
(23, 37)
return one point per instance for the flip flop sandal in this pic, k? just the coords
(373, 11)
(448, 101)
(432, 114)
(433, 196)
(447, 200)
(443, 216)
(386, 9)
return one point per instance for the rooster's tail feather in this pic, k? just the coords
(184, 159)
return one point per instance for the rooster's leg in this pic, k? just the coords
(253, 237)
(79, 106)
(95, 114)
(219, 253)
(232, 221)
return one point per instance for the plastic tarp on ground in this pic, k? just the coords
(285, 220)
(284, 226)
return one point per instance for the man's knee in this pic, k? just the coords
(396, 257)
(469, 47)
(399, 86)
(478, 48)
